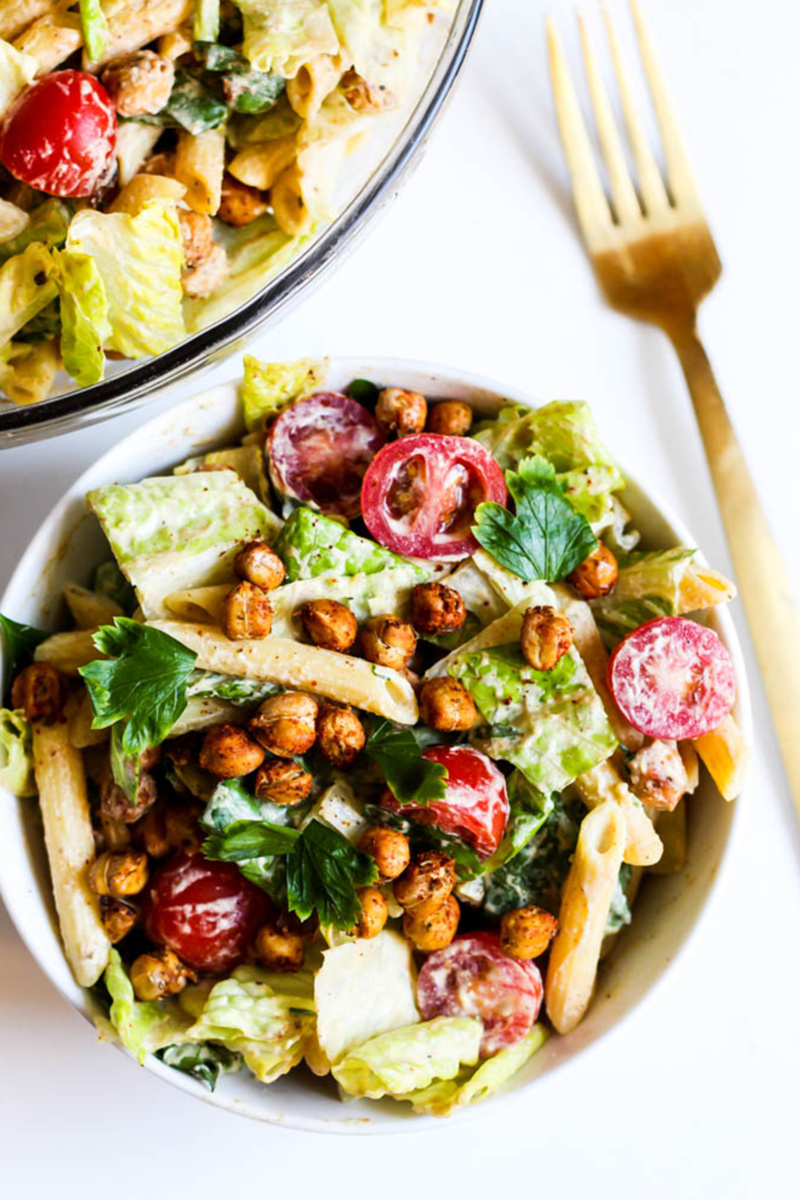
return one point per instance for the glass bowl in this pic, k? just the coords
(131, 384)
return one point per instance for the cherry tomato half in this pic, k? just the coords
(61, 135)
(672, 678)
(474, 977)
(319, 450)
(207, 912)
(420, 494)
(475, 806)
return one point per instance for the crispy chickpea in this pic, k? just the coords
(122, 874)
(229, 751)
(388, 641)
(426, 883)
(596, 575)
(279, 948)
(374, 913)
(545, 638)
(452, 417)
(140, 83)
(286, 725)
(283, 782)
(436, 930)
(206, 276)
(159, 973)
(401, 412)
(445, 704)
(328, 624)
(389, 847)
(118, 917)
(259, 564)
(340, 734)
(437, 609)
(169, 827)
(197, 236)
(658, 775)
(246, 612)
(366, 97)
(240, 204)
(114, 802)
(39, 691)
(527, 932)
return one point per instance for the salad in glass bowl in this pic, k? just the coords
(369, 724)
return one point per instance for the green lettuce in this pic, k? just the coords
(235, 688)
(139, 260)
(411, 1058)
(270, 387)
(247, 461)
(16, 754)
(201, 1060)
(206, 21)
(564, 431)
(26, 287)
(85, 325)
(109, 581)
(311, 544)
(281, 35)
(648, 586)
(17, 70)
(536, 874)
(141, 1026)
(48, 224)
(229, 805)
(95, 29)
(529, 809)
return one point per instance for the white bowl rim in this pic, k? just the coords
(379, 367)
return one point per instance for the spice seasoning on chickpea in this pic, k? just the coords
(340, 734)
(452, 417)
(373, 915)
(286, 725)
(445, 704)
(229, 752)
(527, 932)
(160, 973)
(435, 930)
(437, 609)
(283, 782)
(279, 948)
(545, 638)
(40, 691)
(388, 641)
(597, 575)
(389, 848)
(259, 564)
(401, 412)
(118, 917)
(426, 883)
(329, 624)
(119, 874)
(246, 612)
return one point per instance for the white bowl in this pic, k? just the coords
(67, 547)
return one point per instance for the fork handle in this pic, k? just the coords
(764, 586)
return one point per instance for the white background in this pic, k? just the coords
(478, 264)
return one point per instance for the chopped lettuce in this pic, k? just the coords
(16, 754)
(48, 224)
(589, 489)
(95, 29)
(528, 811)
(247, 461)
(563, 431)
(662, 583)
(281, 35)
(179, 531)
(84, 316)
(201, 1060)
(386, 591)
(411, 1058)
(17, 70)
(477, 591)
(26, 287)
(619, 913)
(270, 387)
(142, 1026)
(536, 874)
(206, 21)
(235, 688)
(311, 544)
(109, 581)
(139, 260)
(230, 803)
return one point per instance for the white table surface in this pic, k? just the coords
(478, 264)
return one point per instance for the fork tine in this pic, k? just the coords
(623, 194)
(679, 173)
(591, 205)
(654, 196)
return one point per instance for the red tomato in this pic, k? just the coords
(475, 806)
(61, 135)
(207, 912)
(319, 450)
(474, 977)
(672, 678)
(420, 494)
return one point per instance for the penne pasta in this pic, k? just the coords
(203, 711)
(135, 144)
(200, 166)
(314, 81)
(51, 40)
(671, 828)
(80, 715)
(61, 782)
(143, 188)
(68, 651)
(260, 165)
(590, 646)
(288, 202)
(726, 756)
(585, 905)
(90, 609)
(17, 15)
(605, 783)
(134, 23)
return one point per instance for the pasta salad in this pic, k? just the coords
(366, 731)
(161, 159)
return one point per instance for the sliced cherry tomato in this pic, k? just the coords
(420, 494)
(207, 912)
(319, 450)
(61, 134)
(672, 678)
(474, 977)
(475, 806)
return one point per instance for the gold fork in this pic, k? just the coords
(655, 260)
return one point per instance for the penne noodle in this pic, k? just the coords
(17, 15)
(90, 609)
(134, 23)
(691, 765)
(604, 783)
(726, 756)
(135, 143)
(672, 831)
(80, 715)
(143, 188)
(68, 651)
(61, 782)
(589, 645)
(288, 202)
(203, 711)
(260, 165)
(313, 82)
(585, 905)
(200, 166)
(51, 40)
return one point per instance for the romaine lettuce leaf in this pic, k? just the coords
(386, 591)
(95, 29)
(411, 1058)
(142, 1026)
(270, 387)
(311, 544)
(85, 326)
(17, 70)
(201, 1060)
(247, 461)
(563, 431)
(281, 35)
(206, 21)
(536, 874)
(16, 754)
(27, 285)
(230, 803)
(48, 224)
(139, 260)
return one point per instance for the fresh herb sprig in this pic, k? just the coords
(19, 642)
(410, 777)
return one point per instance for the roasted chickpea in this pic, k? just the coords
(169, 827)
(445, 704)
(282, 781)
(426, 883)
(340, 734)
(658, 775)
(365, 97)
(437, 609)
(389, 847)
(229, 751)
(374, 913)
(118, 917)
(436, 930)
(246, 612)
(279, 948)
(122, 874)
(452, 417)
(197, 236)
(545, 638)
(159, 973)
(596, 575)
(328, 624)
(114, 802)
(401, 412)
(206, 276)
(259, 564)
(240, 205)
(388, 641)
(527, 932)
(140, 83)
(286, 725)
(40, 691)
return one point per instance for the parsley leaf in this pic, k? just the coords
(144, 681)
(409, 776)
(322, 874)
(20, 642)
(545, 538)
(250, 839)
